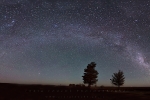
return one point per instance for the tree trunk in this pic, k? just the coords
(118, 87)
(89, 85)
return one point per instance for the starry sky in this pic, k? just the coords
(53, 41)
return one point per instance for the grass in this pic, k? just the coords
(42, 92)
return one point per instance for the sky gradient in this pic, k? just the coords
(53, 41)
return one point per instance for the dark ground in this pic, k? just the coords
(50, 92)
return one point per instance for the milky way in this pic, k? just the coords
(52, 41)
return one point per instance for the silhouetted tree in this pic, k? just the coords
(118, 78)
(90, 74)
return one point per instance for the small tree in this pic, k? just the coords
(90, 74)
(118, 78)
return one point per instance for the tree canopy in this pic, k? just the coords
(90, 75)
(118, 78)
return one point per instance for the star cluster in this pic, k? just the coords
(52, 41)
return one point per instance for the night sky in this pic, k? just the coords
(53, 41)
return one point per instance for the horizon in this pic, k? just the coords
(52, 42)
(68, 85)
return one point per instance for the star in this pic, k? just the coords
(54, 41)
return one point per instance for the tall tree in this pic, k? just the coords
(118, 78)
(90, 74)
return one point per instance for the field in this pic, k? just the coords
(51, 92)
